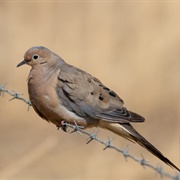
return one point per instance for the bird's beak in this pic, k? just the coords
(22, 63)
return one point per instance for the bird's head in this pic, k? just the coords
(37, 56)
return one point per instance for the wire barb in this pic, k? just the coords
(160, 171)
(14, 95)
(143, 161)
(125, 152)
(108, 143)
(75, 127)
(91, 137)
(2, 89)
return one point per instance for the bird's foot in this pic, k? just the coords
(63, 126)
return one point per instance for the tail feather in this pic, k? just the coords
(147, 145)
(128, 132)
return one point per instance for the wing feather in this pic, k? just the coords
(89, 98)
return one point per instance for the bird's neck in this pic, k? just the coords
(42, 75)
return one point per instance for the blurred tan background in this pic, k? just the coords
(133, 47)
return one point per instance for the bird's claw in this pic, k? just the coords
(63, 126)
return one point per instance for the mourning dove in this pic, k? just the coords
(60, 92)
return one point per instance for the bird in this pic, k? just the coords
(60, 92)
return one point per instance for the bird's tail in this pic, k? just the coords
(128, 132)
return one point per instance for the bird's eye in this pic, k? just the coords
(35, 56)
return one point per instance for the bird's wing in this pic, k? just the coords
(86, 96)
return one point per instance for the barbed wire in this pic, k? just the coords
(93, 136)
(14, 95)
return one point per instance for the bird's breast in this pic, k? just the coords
(46, 102)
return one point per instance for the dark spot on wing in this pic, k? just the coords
(101, 97)
(100, 85)
(111, 93)
(106, 88)
(92, 93)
